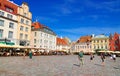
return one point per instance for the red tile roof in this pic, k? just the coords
(61, 41)
(8, 4)
(84, 39)
(37, 25)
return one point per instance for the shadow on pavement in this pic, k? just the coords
(116, 68)
(98, 64)
(76, 65)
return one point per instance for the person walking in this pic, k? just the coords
(103, 58)
(114, 57)
(80, 56)
(30, 54)
(91, 56)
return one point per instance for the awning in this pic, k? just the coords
(10, 43)
(117, 52)
(106, 51)
(2, 43)
(7, 43)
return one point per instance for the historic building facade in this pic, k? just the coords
(100, 42)
(8, 22)
(83, 44)
(24, 18)
(62, 44)
(114, 42)
(43, 37)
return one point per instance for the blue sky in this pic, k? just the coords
(75, 18)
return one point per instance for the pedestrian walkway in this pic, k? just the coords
(67, 65)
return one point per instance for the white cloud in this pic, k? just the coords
(45, 19)
(112, 6)
(90, 30)
(75, 33)
(66, 8)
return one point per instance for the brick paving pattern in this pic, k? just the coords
(58, 66)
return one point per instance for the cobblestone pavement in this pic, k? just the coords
(58, 66)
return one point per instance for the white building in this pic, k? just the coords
(43, 37)
(8, 22)
(24, 24)
(83, 44)
(62, 45)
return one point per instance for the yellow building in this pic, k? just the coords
(24, 25)
(100, 42)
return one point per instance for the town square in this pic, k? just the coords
(57, 65)
(60, 38)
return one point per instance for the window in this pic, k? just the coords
(10, 35)
(32, 27)
(41, 34)
(101, 47)
(97, 41)
(1, 33)
(11, 25)
(105, 40)
(35, 34)
(21, 28)
(34, 45)
(26, 36)
(9, 9)
(98, 47)
(25, 14)
(22, 20)
(40, 40)
(94, 47)
(9, 16)
(106, 47)
(34, 40)
(21, 36)
(26, 29)
(27, 22)
(1, 13)
(1, 23)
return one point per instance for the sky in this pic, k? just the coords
(76, 18)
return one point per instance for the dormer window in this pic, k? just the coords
(32, 27)
(9, 9)
(25, 14)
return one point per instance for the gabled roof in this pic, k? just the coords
(84, 39)
(8, 4)
(37, 25)
(61, 41)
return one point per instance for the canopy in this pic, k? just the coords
(2, 43)
(7, 43)
(116, 52)
(10, 46)
(106, 51)
(10, 43)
